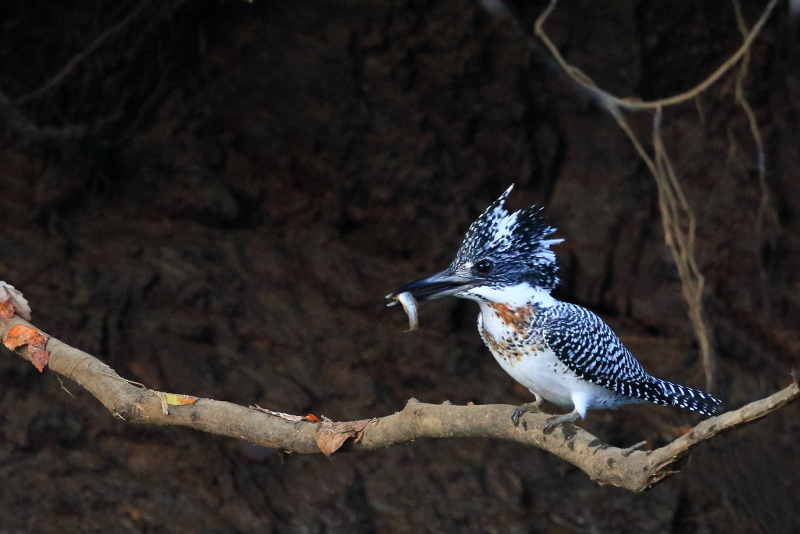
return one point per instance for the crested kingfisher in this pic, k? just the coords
(559, 351)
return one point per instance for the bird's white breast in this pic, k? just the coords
(519, 347)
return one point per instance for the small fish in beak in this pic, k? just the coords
(409, 304)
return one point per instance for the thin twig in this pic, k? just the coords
(81, 56)
(33, 131)
(680, 228)
(764, 203)
(61, 383)
(613, 103)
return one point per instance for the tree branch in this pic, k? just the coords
(627, 468)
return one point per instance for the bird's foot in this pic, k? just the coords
(535, 406)
(557, 420)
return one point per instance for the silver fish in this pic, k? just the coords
(409, 304)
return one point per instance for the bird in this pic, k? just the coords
(560, 352)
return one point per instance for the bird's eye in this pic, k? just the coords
(483, 267)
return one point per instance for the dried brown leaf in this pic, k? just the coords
(329, 442)
(331, 436)
(36, 341)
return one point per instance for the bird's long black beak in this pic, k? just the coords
(439, 285)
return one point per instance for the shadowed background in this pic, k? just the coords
(216, 198)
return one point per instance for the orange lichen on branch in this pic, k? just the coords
(36, 340)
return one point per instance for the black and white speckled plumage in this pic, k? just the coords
(515, 242)
(588, 346)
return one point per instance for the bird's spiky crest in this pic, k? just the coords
(519, 235)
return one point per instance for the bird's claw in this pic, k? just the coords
(551, 425)
(529, 407)
(558, 420)
(516, 415)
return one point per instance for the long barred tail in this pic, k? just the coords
(683, 397)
